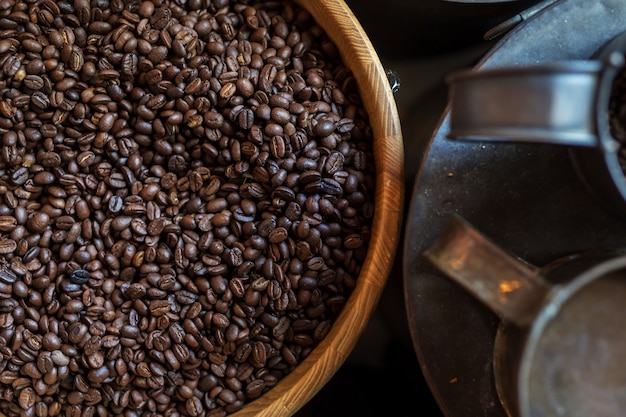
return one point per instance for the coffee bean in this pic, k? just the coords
(255, 388)
(41, 409)
(159, 307)
(51, 341)
(7, 246)
(98, 375)
(27, 398)
(7, 276)
(194, 407)
(77, 333)
(38, 222)
(33, 82)
(280, 115)
(80, 276)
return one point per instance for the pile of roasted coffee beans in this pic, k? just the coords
(186, 197)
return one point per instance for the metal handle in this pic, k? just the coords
(552, 103)
(562, 102)
(509, 286)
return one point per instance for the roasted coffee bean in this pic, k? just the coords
(7, 276)
(255, 388)
(27, 398)
(80, 276)
(194, 407)
(7, 246)
(33, 82)
(159, 307)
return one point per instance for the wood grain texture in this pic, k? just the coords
(297, 388)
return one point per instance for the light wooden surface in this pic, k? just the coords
(297, 388)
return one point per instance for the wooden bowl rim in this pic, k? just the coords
(297, 388)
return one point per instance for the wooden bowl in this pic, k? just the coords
(297, 388)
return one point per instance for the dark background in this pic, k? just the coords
(422, 41)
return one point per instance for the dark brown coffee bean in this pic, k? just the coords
(59, 358)
(278, 235)
(266, 77)
(33, 82)
(7, 276)
(255, 388)
(245, 87)
(245, 119)
(194, 407)
(77, 332)
(158, 54)
(98, 375)
(83, 11)
(280, 115)
(228, 90)
(19, 176)
(359, 160)
(80, 276)
(7, 246)
(159, 307)
(41, 409)
(51, 341)
(27, 398)
(7, 223)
